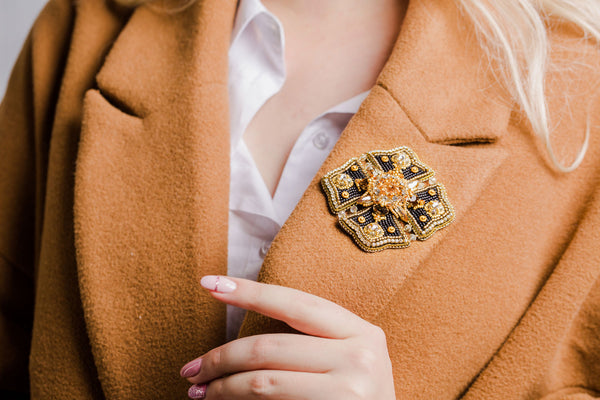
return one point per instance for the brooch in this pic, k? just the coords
(387, 199)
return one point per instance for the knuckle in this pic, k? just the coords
(216, 390)
(214, 359)
(365, 360)
(376, 335)
(262, 384)
(358, 391)
(261, 348)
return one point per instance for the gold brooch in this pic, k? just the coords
(387, 199)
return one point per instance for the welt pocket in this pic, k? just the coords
(105, 124)
(110, 101)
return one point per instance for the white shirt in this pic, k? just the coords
(257, 72)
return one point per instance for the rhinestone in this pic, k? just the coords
(380, 210)
(412, 237)
(421, 185)
(362, 184)
(435, 208)
(402, 160)
(342, 181)
(432, 181)
(353, 209)
(373, 231)
(407, 228)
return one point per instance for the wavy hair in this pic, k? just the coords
(514, 35)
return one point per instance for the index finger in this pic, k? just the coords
(302, 311)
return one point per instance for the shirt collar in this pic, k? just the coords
(349, 106)
(246, 12)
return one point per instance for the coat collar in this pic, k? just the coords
(152, 180)
(442, 80)
(437, 72)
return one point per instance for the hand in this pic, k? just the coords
(341, 357)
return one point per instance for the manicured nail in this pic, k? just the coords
(218, 284)
(191, 369)
(197, 392)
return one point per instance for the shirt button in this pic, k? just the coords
(264, 249)
(320, 140)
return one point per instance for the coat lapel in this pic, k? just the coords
(435, 97)
(151, 197)
(428, 97)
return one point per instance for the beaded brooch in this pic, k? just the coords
(387, 199)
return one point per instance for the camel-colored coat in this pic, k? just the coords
(114, 174)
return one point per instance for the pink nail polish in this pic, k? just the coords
(197, 392)
(191, 369)
(218, 284)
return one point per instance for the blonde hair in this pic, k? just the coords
(514, 35)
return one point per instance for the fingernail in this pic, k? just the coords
(218, 284)
(197, 392)
(191, 369)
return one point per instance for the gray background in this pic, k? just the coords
(16, 18)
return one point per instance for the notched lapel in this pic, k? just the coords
(312, 253)
(153, 138)
(442, 79)
(435, 97)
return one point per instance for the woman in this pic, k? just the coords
(115, 177)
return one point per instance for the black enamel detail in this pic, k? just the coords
(352, 191)
(368, 219)
(355, 174)
(408, 174)
(387, 222)
(416, 213)
(424, 195)
(385, 166)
